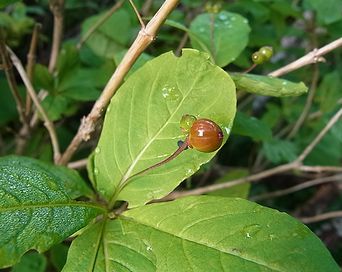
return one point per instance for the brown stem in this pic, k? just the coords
(56, 7)
(31, 60)
(137, 13)
(180, 149)
(250, 68)
(321, 217)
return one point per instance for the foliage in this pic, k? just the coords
(113, 225)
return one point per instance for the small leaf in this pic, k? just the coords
(241, 190)
(278, 151)
(200, 234)
(329, 91)
(35, 210)
(4, 3)
(56, 106)
(267, 85)
(250, 126)
(225, 34)
(135, 136)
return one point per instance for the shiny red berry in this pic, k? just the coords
(205, 136)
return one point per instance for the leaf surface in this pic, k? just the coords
(141, 126)
(35, 209)
(200, 234)
(225, 34)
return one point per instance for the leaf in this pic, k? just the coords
(68, 179)
(8, 110)
(267, 85)
(278, 151)
(141, 126)
(31, 262)
(252, 127)
(58, 256)
(113, 35)
(35, 210)
(4, 3)
(56, 106)
(327, 12)
(42, 78)
(241, 190)
(224, 33)
(200, 234)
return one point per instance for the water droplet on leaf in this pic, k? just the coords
(251, 230)
(171, 93)
(223, 16)
(97, 150)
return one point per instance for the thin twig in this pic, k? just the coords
(308, 104)
(319, 169)
(319, 137)
(11, 79)
(321, 217)
(31, 60)
(99, 22)
(56, 7)
(296, 164)
(143, 40)
(297, 188)
(312, 57)
(78, 164)
(48, 124)
(181, 44)
(138, 15)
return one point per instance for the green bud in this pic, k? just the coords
(258, 58)
(266, 51)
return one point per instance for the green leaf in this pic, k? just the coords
(200, 234)
(68, 61)
(31, 262)
(8, 110)
(329, 91)
(111, 36)
(58, 256)
(69, 179)
(224, 33)
(4, 3)
(56, 106)
(277, 150)
(141, 126)
(35, 209)
(252, 127)
(327, 11)
(42, 78)
(241, 190)
(267, 85)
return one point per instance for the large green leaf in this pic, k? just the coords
(141, 126)
(267, 85)
(200, 234)
(35, 209)
(224, 33)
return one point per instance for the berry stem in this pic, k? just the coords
(180, 149)
(250, 68)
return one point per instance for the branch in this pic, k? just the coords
(78, 164)
(296, 164)
(31, 60)
(312, 57)
(297, 188)
(99, 22)
(145, 37)
(319, 169)
(56, 7)
(321, 217)
(48, 124)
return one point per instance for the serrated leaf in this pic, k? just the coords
(200, 234)
(252, 127)
(267, 85)
(56, 106)
(225, 34)
(42, 78)
(141, 126)
(35, 210)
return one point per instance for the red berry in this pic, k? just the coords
(205, 136)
